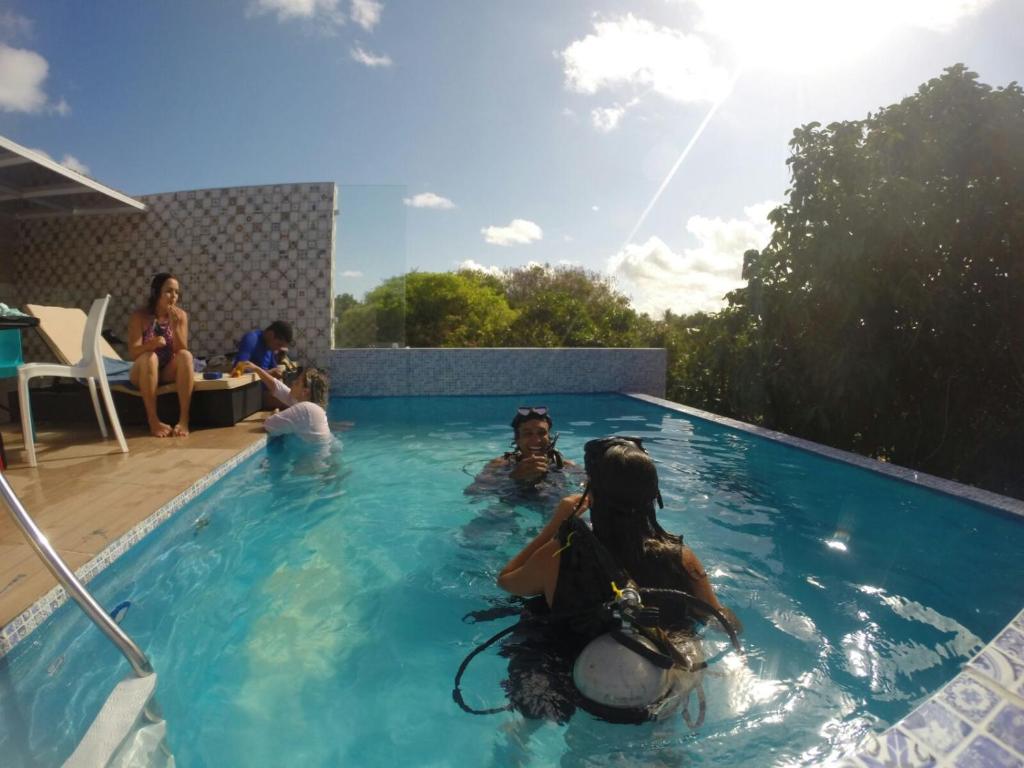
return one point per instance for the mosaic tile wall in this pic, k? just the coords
(8, 240)
(245, 256)
(398, 372)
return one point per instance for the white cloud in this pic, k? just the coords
(290, 10)
(632, 52)
(14, 26)
(477, 267)
(656, 278)
(429, 200)
(62, 108)
(366, 13)
(813, 35)
(606, 119)
(74, 164)
(518, 232)
(937, 15)
(68, 161)
(22, 74)
(595, 208)
(370, 59)
(353, 273)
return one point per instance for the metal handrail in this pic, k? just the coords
(65, 576)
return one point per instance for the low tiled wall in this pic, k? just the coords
(399, 372)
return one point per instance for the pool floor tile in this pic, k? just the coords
(1008, 727)
(936, 727)
(1011, 642)
(1000, 668)
(986, 753)
(894, 749)
(969, 698)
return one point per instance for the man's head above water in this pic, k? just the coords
(531, 430)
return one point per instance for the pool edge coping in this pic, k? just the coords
(22, 625)
(932, 482)
(995, 674)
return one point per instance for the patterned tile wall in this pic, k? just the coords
(245, 256)
(398, 372)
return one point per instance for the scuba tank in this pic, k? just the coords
(632, 673)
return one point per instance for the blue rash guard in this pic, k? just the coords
(252, 347)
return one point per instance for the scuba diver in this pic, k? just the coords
(533, 452)
(614, 631)
(533, 474)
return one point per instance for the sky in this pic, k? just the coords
(644, 140)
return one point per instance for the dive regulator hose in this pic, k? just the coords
(546, 619)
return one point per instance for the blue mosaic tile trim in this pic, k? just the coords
(977, 495)
(20, 628)
(494, 371)
(975, 721)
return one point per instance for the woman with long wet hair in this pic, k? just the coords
(581, 571)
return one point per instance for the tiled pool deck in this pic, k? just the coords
(94, 503)
(977, 719)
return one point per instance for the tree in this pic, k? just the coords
(888, 304)
(571, 307)
(429, 309)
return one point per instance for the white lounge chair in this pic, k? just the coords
(90, 367)
(62, 328)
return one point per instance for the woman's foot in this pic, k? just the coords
(180, 429)
(159, 429)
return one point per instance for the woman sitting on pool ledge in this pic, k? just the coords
(578, 571)
(158, 344)
(306, 399)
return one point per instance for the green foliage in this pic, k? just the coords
(885, 315)
(570, 307)
(428, 309)
(528, 307)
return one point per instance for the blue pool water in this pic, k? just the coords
(308, 611)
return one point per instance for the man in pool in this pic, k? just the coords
(533, 451)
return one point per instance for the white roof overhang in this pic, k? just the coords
(34, 186)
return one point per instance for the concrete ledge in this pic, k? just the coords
(495, 371)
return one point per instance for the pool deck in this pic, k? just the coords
(89, 499)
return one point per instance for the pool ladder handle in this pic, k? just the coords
(65, 576)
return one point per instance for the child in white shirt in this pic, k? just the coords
(304, 415)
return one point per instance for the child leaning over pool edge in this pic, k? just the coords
(304, 414)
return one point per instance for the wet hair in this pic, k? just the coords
(624, 489)
(317, 384)
(156, 287)
(522, 418)
(282, 329)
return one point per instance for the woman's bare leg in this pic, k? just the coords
(179, 370)
(144, 375)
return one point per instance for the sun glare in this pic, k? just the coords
(806, 36)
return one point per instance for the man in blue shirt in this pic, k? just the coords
(262, 347)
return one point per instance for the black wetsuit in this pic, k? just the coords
(541, 653)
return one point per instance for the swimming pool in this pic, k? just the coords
(309, 610)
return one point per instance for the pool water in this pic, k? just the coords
(308, 610)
